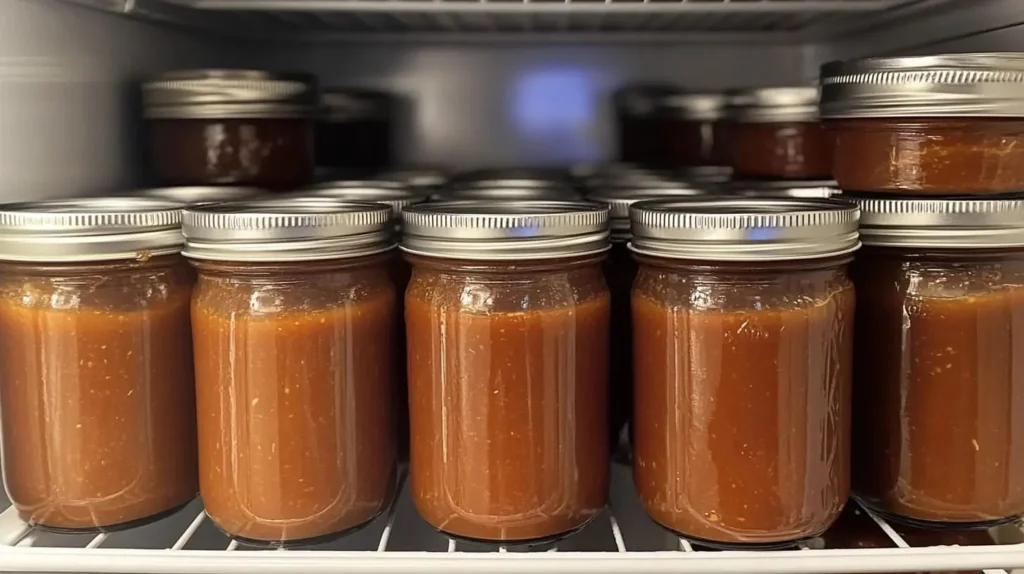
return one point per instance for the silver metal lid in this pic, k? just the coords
(942, 223)
(199, 195)
(507, 193)
(505, 230)
(785, 188)
(974, 85)
(416, 177)
(618, 200)
(90, 229)
(230, 94)
(286, 230)
(707, 174)
(779, 104)
(697, 107)
(343, 105)
(743, 229)
(397, 197)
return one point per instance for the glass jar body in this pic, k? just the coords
(694, 143)
(360, 144)
(274, 154)
(781, 150)
(930, 156)
(97, 392)
(938, 386)
(741, 397)
(295, 395)
(508, 396)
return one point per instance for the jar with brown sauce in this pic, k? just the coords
(231, 127)
(355, 131)
(775, 133)
(96, 389)
(949, 124)
(507, 319)
(620, 271)
(742, 360)
(294, 319)
(639, 116)
(693, 130)
(940, 288)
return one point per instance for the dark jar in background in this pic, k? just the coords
(639, 112)
(96, 382)
(743, 342)
(231, 127)
(775, 133)
(507, 318)
(356, 130)
(294, 321)
(620, 271)
(939, 390)
(948, 124)
(693, 130)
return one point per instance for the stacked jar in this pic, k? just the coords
(932, 149)
(231, 127)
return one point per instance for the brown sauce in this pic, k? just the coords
(741, 414)
(97, 392)
(930, 156)
(939, 391)
(295, 395)
(793, 150)
(508, 380)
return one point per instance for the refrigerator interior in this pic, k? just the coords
(487, 84)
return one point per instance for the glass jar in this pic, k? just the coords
(356, 130)
(507, 318)
(639, 114)
(775, 133)
(620, 272)
(96, 387)
(201, 195)
(294, 320)
(231, 127)
(742, 346)
(693, 130)
(940, 285)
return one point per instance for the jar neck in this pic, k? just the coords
(65, 269)
(943, 255)
(525, 267)
(274, 269)
(746, 268)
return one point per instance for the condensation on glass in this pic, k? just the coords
(294, 320)
(231, 127)
(507, 318)
(939, 389)
(775, 133)
(742, 366)
(948, 124)
(96, 386)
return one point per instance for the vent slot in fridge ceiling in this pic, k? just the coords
(701, 20)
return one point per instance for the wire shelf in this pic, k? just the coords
(732, 20)
(622, 540)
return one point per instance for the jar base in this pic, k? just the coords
(532, 544)
(938, 524)
(119, 527)
(751, 546)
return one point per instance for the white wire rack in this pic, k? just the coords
(771, 20)
(623, 540)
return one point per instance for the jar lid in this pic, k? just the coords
(618, 200)
(707, 173)
(395, 196)
(416, 177)
(507, 193)
(942, 223)
(744, 229)
(785, 188)
(778, 104)
(286, 230)
(964, 85)
(356, 104)
(215, 94)
(199, 195)
(698, 107)
(89, 229)
(505, 230)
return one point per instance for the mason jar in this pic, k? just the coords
(938, 391)
(507, 319)
(97, 398)
(742, 362)
(294, 321)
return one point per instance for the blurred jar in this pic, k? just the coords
(231, 127)
(356, 130)
(775, 133)
(96, 384)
